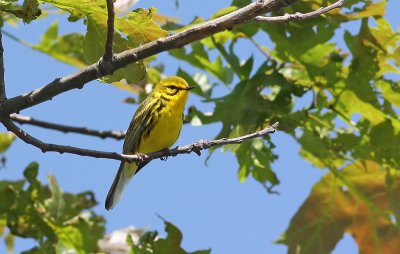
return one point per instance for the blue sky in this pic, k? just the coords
(208, 204)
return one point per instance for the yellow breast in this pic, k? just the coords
(164, 134)
(167, 127)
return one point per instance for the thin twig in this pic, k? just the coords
(95, 71)
(299, 16)
(108, 51)
(16, 39)
(118, 135)
(2, 84)
(195, 147)
(258, 46)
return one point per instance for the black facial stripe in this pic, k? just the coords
(176, 87)
(173, 92)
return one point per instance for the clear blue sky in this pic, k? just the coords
(207, 203)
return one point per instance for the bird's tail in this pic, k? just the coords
(125, 173)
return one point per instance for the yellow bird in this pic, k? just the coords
(155, 126)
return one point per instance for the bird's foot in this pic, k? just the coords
(166, 151)
(141, 157)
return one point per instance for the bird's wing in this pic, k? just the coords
(137, 128)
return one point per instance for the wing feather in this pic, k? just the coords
(138, 126)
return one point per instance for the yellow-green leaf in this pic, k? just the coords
(6, 139)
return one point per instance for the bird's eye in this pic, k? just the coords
(172, 88)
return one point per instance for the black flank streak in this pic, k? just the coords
(150, 125)
(160, 106)
(147, 120)
(164, 98)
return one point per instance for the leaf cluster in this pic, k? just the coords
(334, 91)
(59, 222)
(150, 242)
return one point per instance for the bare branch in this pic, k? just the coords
(195, 147)
(299, 16)
(108, 52)
(94, 71)
(2, 84)
(16, 39)
(118, 135)
(67, 128)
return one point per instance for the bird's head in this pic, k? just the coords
(173, 87)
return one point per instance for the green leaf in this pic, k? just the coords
(131, 31)
(199, 58)
(203, 87)
(9, 241)
(81, 235)
(28, 11)
(396, 55)
(390, 91)
(94, 44)
(31, 172)
(7, 190)
(6, 139)
(233, 60)
(56, 204)
(66, 48)
(151, 243)
(56, 220)
(224, 11)
(318, 55)
(369, 10)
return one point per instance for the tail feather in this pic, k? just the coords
(125, 173)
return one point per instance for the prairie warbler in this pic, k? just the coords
(155, 126)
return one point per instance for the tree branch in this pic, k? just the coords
(118, 135)
(299, 16)
(108, 51)
(195, 147)
(2, 83)
(94, 71)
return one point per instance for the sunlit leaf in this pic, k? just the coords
(28, 11)
(199, 57)
(56, 204)
(66, 48)
(203, 87)
(355, 201)
(56, 220)
(6, 139)
(391, 91)
(133, 30)
(151, 243)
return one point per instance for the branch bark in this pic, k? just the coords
(94, 71)
(195, 147)
(299, 16)
(108, 51)
(97, 70)
(2, 84)
(118, 135)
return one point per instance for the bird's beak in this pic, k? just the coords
(190, 88)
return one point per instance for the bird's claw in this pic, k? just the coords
(141, 158)
(167, 152)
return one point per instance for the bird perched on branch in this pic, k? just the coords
(155, 126)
